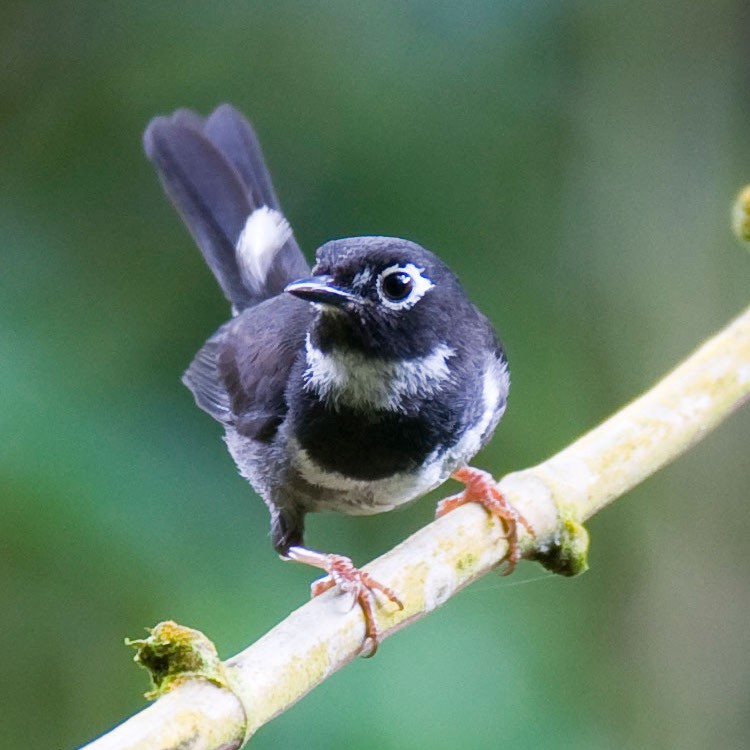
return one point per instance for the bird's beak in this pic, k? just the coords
(320, 289)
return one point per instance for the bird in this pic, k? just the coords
(354, 386)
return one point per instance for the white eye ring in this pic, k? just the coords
(420, 286)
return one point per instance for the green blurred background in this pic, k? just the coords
(573, 161)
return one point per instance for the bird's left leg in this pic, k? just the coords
(349, 579)
(481, 488)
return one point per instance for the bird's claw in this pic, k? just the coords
(481, 488)
(349, 579)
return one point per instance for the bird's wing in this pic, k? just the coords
(213, 172)
(240, 375)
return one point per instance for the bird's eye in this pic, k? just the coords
(397, 285)
(401, 286)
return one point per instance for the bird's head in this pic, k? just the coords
(382, 295)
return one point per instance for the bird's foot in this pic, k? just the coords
(349, 579)
(481, 488)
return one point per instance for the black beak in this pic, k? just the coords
(319, 289)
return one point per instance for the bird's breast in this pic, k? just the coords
(324, 488)
(366, 436)
(374, 444)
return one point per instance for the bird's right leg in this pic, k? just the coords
(342, 573)
(287, 530)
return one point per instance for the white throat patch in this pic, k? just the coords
(358, 382)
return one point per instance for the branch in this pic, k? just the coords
(220, 710)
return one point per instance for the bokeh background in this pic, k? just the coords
(573, 161)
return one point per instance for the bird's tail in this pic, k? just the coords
(213, 171)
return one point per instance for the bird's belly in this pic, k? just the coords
(324, 489)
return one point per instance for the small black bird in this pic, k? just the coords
(356, 387)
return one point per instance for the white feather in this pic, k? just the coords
(362, 278)
(350, 379)
(265, 233)
(495, 387)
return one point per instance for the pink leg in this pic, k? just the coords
(341, 572)
(481, 488)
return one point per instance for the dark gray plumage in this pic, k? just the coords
(362, 387)
(214, 173)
